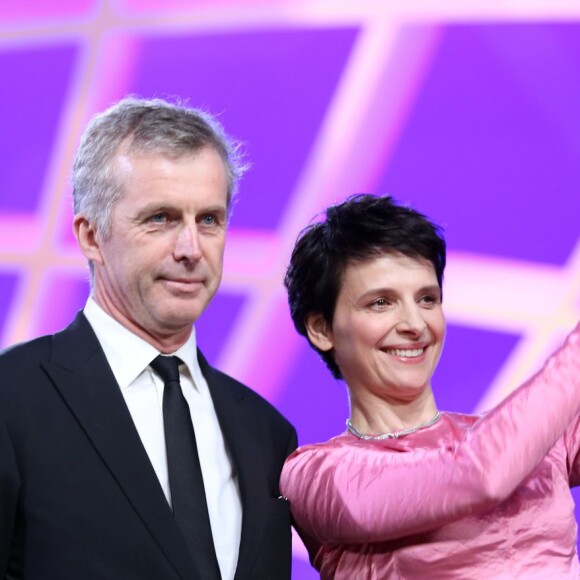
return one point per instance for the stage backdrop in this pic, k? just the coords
(467, 111)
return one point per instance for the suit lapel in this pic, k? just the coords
(80, 371)
(238, 428)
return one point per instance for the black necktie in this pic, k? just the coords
(185, 479)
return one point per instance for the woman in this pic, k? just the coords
(409, 491)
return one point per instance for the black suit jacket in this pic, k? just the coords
(79, 499)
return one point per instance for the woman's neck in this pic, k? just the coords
(372, 414)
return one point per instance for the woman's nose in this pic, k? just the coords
(411, 319)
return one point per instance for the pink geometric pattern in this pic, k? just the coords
(358, 133)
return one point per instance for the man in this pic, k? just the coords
(99, 476)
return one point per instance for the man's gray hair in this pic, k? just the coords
(143, 126)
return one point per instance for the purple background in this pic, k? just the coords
(474, 121)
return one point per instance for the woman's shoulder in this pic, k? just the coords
(460, 419)
(336, 442)
(454, 425)
(339, 445)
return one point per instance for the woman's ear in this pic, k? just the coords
(88, 240)
(319, 333)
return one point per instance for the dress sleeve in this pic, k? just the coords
(338, 495)
(572, 444)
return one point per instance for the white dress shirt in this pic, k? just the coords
(129, 357)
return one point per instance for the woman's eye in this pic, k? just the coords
(430, 300)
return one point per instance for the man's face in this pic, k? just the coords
(162, 262)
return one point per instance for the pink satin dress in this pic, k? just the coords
(468, 497)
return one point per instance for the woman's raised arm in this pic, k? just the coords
(344, 497)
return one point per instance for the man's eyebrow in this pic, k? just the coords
(214, 209)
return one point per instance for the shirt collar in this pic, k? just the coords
(129, 355)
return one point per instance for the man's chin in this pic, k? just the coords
(180, 318)
(176, 313)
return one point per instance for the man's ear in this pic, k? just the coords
(319, 333)
(87, 238)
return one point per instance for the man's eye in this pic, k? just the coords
(158, 218)
(208, 220)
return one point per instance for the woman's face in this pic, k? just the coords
(388, 328)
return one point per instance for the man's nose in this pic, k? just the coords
(187, 244)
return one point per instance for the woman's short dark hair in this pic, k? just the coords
(360, 228)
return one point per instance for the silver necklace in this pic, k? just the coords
(393, 434)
